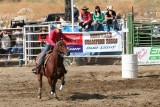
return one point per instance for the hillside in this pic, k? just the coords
(40, 8)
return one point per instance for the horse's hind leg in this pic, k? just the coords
(40, 86)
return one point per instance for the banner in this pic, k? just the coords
(147, 55)
(77, 46)
(95, 43)
(102, 42)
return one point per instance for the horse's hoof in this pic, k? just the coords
(51, 92)
(39, 97)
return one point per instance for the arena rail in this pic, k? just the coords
(143, 40)
(5, 54)
(109, 44)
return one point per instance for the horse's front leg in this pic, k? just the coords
(40, 86)
(62, 83)
(53, 87)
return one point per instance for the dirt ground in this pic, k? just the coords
(86, 86)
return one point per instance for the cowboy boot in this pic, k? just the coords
(36, 70)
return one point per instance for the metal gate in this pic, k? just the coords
(142, 34)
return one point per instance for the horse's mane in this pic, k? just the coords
(56, 47)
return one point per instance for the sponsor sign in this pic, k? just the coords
(77, 46)
(147, 55)
(92, 42)
(102, 42)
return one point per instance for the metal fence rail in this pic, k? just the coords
(146, 34)
(31, 42)
(9, 56)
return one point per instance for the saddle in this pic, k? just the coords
(61, 68)
(48, 54)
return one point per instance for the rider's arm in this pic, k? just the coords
(67, 39)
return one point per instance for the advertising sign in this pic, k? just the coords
(89, 43)
(102, 42)
(77, 46)
(147, 55)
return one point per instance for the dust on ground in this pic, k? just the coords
(86, 86)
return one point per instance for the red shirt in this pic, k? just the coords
(86, 16)
(54, 36)
(42, 37)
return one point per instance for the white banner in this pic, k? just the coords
(102, 42)
(147, 55)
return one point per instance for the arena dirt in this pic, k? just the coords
(86, 86)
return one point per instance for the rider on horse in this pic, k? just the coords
(51, 40)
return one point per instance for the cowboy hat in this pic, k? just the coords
(110, 7)
(85, 8)
(59, 26)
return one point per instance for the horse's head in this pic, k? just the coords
(62, 48)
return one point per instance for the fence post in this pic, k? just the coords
(129, 37)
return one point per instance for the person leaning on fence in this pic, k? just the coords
(18, 47)
(98, 18)
(55, 35)
(5, 45)
(86, 19)
(110, 18)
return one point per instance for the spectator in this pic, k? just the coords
(156, 28)
(110, 18)
(86, 19)
(76, 14)
(18, 47)
(98, 18)
(5, 45)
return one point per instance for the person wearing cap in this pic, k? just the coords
(55, 35)
(86, 19)
(98, 18)
(110, 18)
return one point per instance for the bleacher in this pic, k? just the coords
(68, 28)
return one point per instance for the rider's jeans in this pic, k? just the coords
(46, 48)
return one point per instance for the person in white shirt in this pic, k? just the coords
(5, 45)
(6, 41)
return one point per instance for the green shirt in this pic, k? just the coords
(99, 18)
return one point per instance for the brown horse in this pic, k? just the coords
(53, 68)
